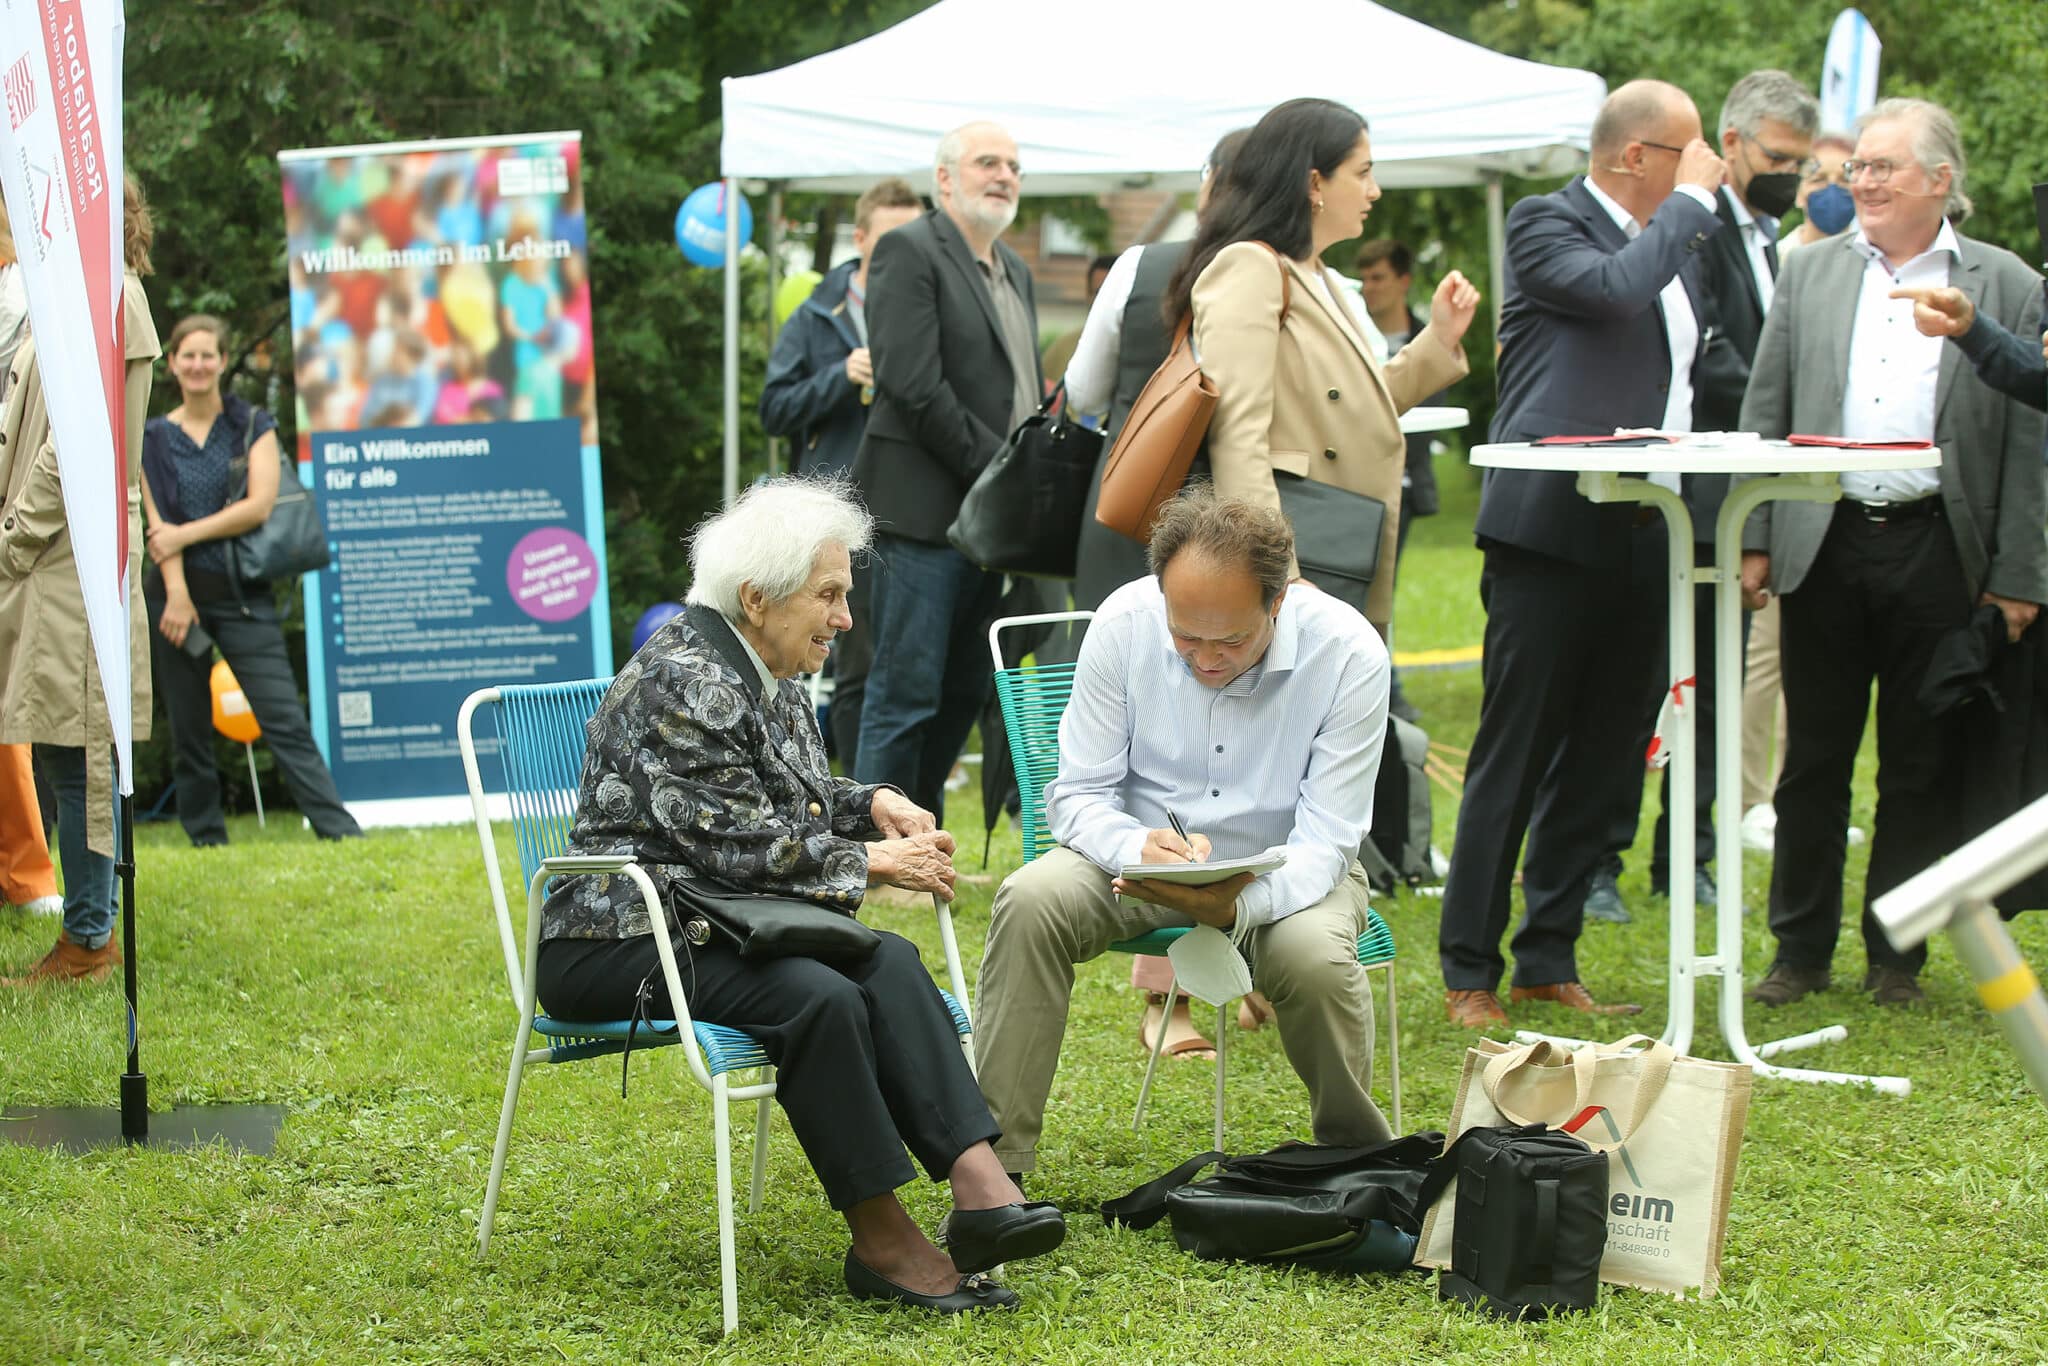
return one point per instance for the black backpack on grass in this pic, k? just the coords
(1342, 1210)
(1530, 1222)
(1395, 851)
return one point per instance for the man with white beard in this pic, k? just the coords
(953, 332)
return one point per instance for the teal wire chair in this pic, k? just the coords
(538, 735)
(1033, 698)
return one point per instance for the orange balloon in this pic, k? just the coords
(231, 714)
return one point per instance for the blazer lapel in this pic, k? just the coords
(1839, 286)
(1968, 276)
(1307, 292)
(954, 248)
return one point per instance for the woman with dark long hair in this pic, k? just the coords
(1301, 390)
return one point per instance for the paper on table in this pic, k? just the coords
(1202, 874)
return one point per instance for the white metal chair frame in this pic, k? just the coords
(712, 1051)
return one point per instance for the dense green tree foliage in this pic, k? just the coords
(216, 88)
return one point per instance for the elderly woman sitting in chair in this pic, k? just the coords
(705, 762)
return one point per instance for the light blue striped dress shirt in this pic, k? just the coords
(1286, 754)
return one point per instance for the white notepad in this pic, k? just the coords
(1215, 870)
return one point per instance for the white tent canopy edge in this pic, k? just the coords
(1443, 112)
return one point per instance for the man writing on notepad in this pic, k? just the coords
(1254, 709)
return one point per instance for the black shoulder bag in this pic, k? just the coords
(761, 927)
(1023, 514)
(291, 540)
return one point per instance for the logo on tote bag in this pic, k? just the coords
(1649, 1210)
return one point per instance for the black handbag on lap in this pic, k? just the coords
(761, 927)
(1336, 535)
(1023, 514)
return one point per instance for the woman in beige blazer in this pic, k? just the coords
(1300, 388)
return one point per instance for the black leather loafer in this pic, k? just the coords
(973, 1294)
(978, 1239)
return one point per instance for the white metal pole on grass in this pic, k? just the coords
(732, 340)
(250, 750)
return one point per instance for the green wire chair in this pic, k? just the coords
(1033, 698)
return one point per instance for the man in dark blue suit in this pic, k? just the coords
(1603, 326)
(1768, 123)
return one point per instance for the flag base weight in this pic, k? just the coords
(83, 1128)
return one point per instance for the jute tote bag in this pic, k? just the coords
(1670, 1125)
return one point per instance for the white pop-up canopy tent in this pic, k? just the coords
(1110, 94)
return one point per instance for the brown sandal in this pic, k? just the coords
(1190, 1045)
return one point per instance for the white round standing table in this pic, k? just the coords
(1434, 419)
(1765, 470)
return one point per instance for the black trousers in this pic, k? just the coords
(253, 646)
(1629, 781)
(1873, 607)
(1569, 654)
(867, 1058)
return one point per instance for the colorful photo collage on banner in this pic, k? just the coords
(438, 287)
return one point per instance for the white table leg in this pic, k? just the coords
(1600, 486)
(1726, 960)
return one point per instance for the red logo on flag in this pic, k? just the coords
(21, 92)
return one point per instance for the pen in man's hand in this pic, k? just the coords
(1182, 831)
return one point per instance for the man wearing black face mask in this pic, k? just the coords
(1767, 126)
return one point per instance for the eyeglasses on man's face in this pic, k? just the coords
(1781, 161)
(1877, 170)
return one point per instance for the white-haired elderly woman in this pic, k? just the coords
(705, 761)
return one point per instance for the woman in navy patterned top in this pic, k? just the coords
(195, 604)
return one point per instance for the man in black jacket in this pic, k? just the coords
(820, 380)
(953, 327)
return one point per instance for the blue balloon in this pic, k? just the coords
(652, 620)
(700, 224)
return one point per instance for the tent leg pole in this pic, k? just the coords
(1496, 245)
(732, 340)
(774, 284)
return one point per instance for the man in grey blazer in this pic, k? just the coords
(1870, 584)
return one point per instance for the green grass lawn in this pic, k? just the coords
(361, 987)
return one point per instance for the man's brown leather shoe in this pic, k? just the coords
(1474, 1009)
(1572, 994)
(67, 962)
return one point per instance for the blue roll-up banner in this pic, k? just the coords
(447, 418)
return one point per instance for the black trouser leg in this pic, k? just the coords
(253, 646)
(1620, 648)
(867, 1057)
(1521, 713)
(184, 684)
(1877, 600)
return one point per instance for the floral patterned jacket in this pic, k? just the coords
(696, 773)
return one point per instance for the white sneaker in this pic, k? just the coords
(43, 905)
(1759, 827)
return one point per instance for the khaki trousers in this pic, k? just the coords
(1058, 910)
(1763, 709)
